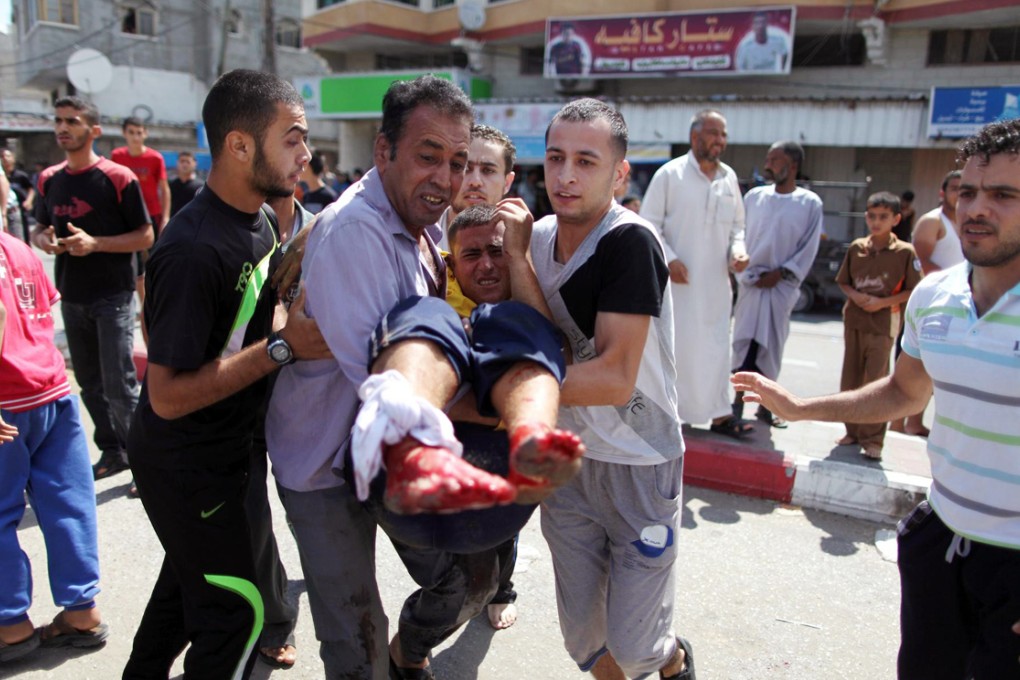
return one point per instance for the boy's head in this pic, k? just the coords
(883, 213)
(135, 133)
(476, 255)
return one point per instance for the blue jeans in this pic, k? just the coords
(101, 338)
(50, 460)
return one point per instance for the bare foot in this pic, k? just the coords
(280, 657)
(424, 478)
(846, 441)
(920, 431)
(543, 457)
(18, 632)
(872, 451)
(896, 425)
(502, 616)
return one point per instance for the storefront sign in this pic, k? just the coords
(729, 42)
(961, 111)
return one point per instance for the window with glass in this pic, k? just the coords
(288, 33)
(55, 11)
(139, 21)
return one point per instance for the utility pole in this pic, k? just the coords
(268, 38)
(224, 23)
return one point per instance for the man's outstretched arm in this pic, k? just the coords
(904, 392)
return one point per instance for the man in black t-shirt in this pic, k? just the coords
(91, 215)
(184, 187)
(208, 312)
(319, 195)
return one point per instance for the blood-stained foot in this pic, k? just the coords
(422, 478)
(543, 457)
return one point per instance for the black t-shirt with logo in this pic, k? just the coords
(211, 263)
(102, 200)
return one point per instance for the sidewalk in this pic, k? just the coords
(802, 465)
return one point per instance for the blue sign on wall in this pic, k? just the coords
(962, 111)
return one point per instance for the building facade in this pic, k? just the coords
(152, 59)
(857, 92)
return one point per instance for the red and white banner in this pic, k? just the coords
(732, 42)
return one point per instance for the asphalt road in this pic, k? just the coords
(765, 591)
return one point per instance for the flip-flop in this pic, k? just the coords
(15, 650)
(60, 633)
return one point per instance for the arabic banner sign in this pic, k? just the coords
(958, 112)
(731, 42)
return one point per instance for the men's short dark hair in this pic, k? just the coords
(474, 216)
(629, 200)
(950, 176)
(86, 109)
(404, 96)
(885, 199)
(132, 120)
(991, 140)
(245, 101)
(588, 110)
(793, 151)
(491, 134)
(907, 195)
(316, 164)
(185, 154)
(699, 118)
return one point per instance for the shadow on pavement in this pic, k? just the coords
(461, 660)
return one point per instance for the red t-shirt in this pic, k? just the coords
(150, 169)
(32, 369)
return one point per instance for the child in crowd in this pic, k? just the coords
(877, 276)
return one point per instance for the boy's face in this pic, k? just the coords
(881, 220)
(135, 136)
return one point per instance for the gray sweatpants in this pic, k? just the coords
(612, 534)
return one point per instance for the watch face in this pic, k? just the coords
(280, 352)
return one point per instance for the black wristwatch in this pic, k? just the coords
(279, 351)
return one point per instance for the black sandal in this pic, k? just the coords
(402, 673)
(732, 427)
(109, 464)
(688, 672)
(767, 416)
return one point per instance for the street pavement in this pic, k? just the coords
(793, 578)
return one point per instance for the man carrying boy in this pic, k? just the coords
(959, 551)
(877, 276)
(612, 529)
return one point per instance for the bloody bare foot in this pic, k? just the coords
(422, 478)
(543, 457)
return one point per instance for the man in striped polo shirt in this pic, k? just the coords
(959, 551)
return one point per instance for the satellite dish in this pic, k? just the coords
(471, 14)
(89, 71)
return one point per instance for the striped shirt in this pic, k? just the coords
(974, 364)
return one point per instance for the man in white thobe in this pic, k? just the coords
(784, 227)
(695, 202)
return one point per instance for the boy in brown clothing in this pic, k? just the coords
(877, 276)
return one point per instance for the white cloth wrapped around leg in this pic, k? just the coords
(389, 412)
